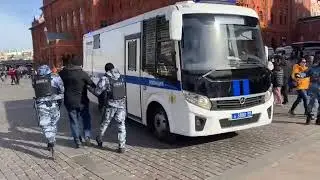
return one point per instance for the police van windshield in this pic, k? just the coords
(221, 42)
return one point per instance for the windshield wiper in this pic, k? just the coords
(206, 74)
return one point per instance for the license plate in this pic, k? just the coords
(241, 115)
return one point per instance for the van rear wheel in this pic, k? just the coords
(161, 128)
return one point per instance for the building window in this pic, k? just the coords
(62, 24)
(75, 20)
(96, 41)
(280, 17)
(271, 19)
(58, 24)
(285, 20)
(81, 16)
(132, 55)
(68, 21)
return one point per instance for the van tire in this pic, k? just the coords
(160, 126)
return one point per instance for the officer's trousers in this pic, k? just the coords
(119, 115)
(49, 115)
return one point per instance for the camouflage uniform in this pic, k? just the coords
(48, 108)
(113, 109)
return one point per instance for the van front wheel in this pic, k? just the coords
(161, 126)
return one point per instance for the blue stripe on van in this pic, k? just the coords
(246, 87)
(236, 88)
(152, 82)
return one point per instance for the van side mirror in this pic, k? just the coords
(175, 25)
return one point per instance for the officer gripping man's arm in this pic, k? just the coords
(111, 88)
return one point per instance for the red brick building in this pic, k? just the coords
(67, 20)
(308, 29)
(61, 30)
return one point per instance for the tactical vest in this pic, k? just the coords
(42, 86)
(117, 89)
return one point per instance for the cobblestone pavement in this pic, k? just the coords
(23, 154)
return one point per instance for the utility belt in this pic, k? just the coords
(49, 102)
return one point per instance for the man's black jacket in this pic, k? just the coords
(75, 82)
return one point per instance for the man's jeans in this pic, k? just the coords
(302, 96)
(78, 117)
(314, 96)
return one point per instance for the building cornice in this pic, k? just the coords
(47, 4)
(38, 24)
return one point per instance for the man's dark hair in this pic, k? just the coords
(76, 61)
(108, 67)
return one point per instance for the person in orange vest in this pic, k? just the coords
(301, 85)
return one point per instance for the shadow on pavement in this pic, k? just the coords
(24, 134)
(288, 122)
(139, 136)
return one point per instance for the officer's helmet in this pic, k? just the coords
(44, 70)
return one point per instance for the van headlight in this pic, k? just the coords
(198, 100)
(268, 95)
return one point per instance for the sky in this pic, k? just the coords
(16, 17)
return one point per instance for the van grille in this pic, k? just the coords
(239, 103)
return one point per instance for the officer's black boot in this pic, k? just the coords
(77, 142)
(318, 120)
(99, 141)
(309, 118)
(51, 149)
(121, 150)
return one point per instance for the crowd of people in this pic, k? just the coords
(15, 74)
(70, 85)
(301, 77)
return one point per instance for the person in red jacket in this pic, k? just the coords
(12, 74)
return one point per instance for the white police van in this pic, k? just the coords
(193, 68)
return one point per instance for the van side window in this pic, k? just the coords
(132, 55)
(96, 41)
(159, 58)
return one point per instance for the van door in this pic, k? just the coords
(132, 72)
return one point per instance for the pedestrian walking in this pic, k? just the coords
(311, 91)
(12, 74)
(76, 100)
(285, 64)
(18, 76)
(49, 91)
(301, 84)
(277, 81)
(314, 74)
(2, 76)
(112, 87)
